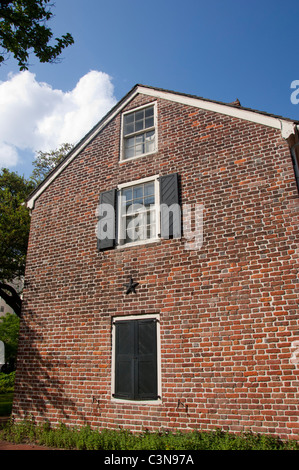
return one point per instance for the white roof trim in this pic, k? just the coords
(287, 127)
(214, 107)
(72, 155)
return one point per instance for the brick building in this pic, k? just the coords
(161, 281)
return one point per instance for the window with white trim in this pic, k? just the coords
(138, 132)
(138, 211)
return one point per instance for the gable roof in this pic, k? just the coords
(286, 125)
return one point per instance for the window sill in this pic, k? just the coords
(124, 160)
(139, 243)
(137, 402)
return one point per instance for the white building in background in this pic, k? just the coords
(4, 307)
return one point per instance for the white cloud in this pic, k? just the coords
(8, 155)
(34, 116)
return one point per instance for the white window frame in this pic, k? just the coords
(120, 230)
(143, 131)
(158, 401)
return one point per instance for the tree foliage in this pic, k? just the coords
(23, 29)
(45, 162)
(14, 224)
(15, 221)
(14, 233)
(9, 334)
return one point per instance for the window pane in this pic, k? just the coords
(129, 152)
(128, 128)
(136, 233)
(151, 217)
(139, 125)
(131, 236)
(139, 139)
(150, 147)
(137, 191)
(139, 150)
(152, 231)
(150, 142)
(149, 111)
(149, 122)
(131, 222)
(138, 205)
(130, 208)
(130, 142)
(128, 118)
(129, 147)
(136, 229)
(142, 235)
(149, 189)
(127, 194)
(150, 136)
(138, 212)
(149, 200)
(139, 115)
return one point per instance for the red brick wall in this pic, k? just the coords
(228, 311)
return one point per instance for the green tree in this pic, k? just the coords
(45, 162)
(23, 30)
(14, 233)
(9, 334)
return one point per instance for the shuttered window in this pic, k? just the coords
(135, 359)
(139, 212)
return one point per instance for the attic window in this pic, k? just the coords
(139, 132)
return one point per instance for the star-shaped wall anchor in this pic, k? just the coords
(131, 286)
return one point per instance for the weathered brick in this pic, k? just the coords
(228, 311)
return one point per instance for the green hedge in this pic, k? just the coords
(7, 382)
(6, 404)
(87, 439)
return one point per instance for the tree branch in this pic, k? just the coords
(12, 298)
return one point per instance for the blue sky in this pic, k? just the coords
(220, 50)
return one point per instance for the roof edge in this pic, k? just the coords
(230, 109)
(285, 125)
(79, 147)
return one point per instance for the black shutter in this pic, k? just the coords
(146, 367)
(107, 221)
(295, 158)
(169, 196)
(124, 360)
(136, 360)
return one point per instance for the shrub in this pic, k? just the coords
(7, 382)
(86, 438)
(6, 404)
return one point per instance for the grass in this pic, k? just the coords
(6, 404)
(87, 439)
